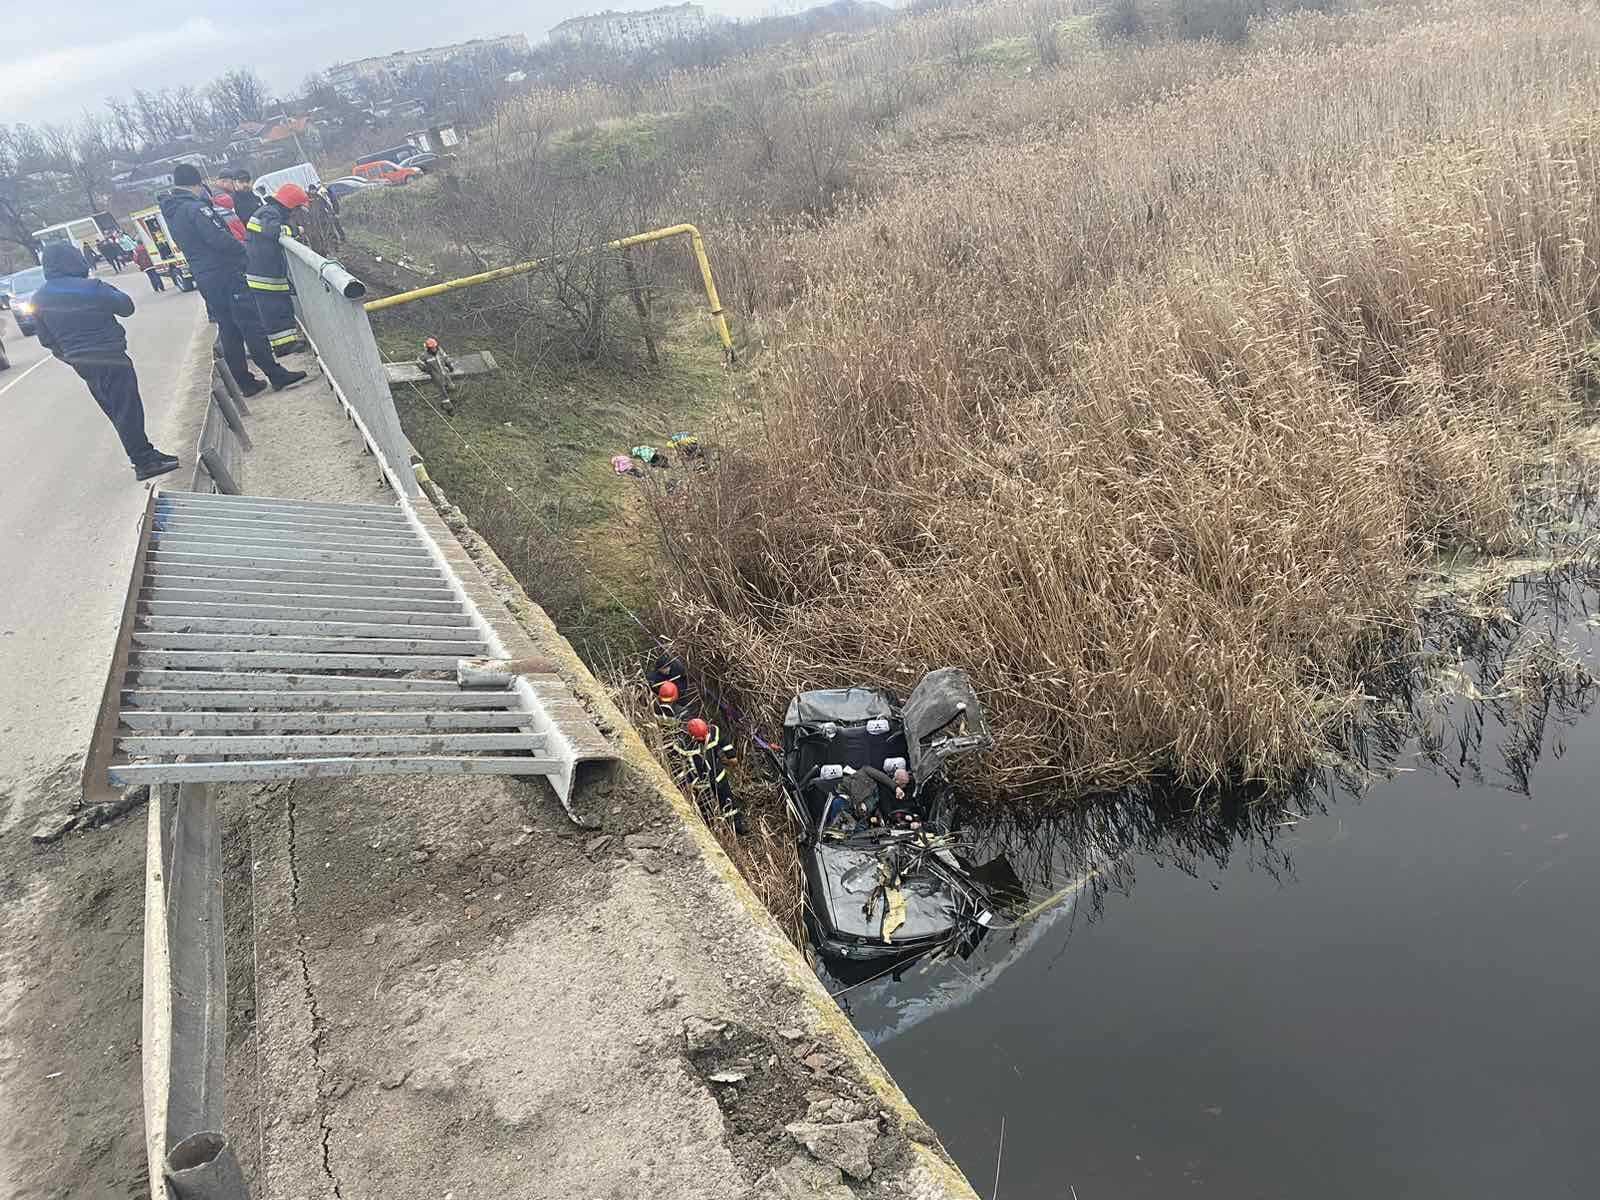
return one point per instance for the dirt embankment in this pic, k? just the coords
(71, 948)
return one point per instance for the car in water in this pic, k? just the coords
(23, 285)
(865, 777)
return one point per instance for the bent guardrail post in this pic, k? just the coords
(328, 301)
(185, 999)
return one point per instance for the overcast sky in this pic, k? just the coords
(55, 62)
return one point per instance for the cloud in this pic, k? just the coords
(50, 72)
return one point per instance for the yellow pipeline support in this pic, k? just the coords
(638, 239)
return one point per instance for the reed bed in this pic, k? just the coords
(1148, 415)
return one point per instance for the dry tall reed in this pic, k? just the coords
(1146, 421)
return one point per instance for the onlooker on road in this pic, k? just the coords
(142, 260)
(77, 320)
(112, 253)
(267, 266)
(245, 201)
(217, 262)
(90, 254)
(127, 244)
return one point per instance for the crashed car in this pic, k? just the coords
(865, 778)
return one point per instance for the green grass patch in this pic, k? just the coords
(527, 452)
(1010, 54)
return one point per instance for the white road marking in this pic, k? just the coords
(13, 383)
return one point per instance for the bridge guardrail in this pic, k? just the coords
(328, 301)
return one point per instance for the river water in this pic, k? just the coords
(1387, 991)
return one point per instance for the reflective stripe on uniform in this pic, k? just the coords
(267, 283)
(283, 337)
(254, 226)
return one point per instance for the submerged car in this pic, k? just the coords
(23, 285)
(865, 777)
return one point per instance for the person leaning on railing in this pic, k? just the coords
(218, 262)
(266, 266)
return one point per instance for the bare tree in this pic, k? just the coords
(159, 119)
(195, 112)
(80, 152)
(17, 220)
(239, 96)
(125, 122)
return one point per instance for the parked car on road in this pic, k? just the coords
(23, 286)
(394, 154)
(425, 162)
(384, 171)
(5, 291)
(340, 188)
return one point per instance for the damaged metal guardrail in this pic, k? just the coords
(219, 453)
(328, 301)
(185, 1016)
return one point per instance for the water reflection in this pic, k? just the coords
(1494, 687)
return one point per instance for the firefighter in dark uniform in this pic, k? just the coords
(266, 266)
(705, 754)
(217, 261)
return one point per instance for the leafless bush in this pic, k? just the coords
(1046, 30)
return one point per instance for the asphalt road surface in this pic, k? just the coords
(69, 510)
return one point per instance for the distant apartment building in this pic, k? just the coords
(630, 32)
(353, 78)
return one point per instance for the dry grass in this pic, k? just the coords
(1148, 422)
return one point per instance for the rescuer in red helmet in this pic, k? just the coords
(266, 265)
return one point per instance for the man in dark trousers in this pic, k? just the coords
(217, 260)
(77, 320)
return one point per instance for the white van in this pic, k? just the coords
(302, 173)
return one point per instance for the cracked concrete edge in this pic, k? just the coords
(293, 1145)
(937, 1168)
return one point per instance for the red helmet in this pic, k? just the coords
(222, 200)
(668, 691)
(291, 195)
(697, 729)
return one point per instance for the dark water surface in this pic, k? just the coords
(1397, 995)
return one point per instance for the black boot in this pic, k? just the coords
(251, 386)
(287, 380)
(158, 464)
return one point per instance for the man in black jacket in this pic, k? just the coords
(217, 261)
(245, 201)
(77, 322)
